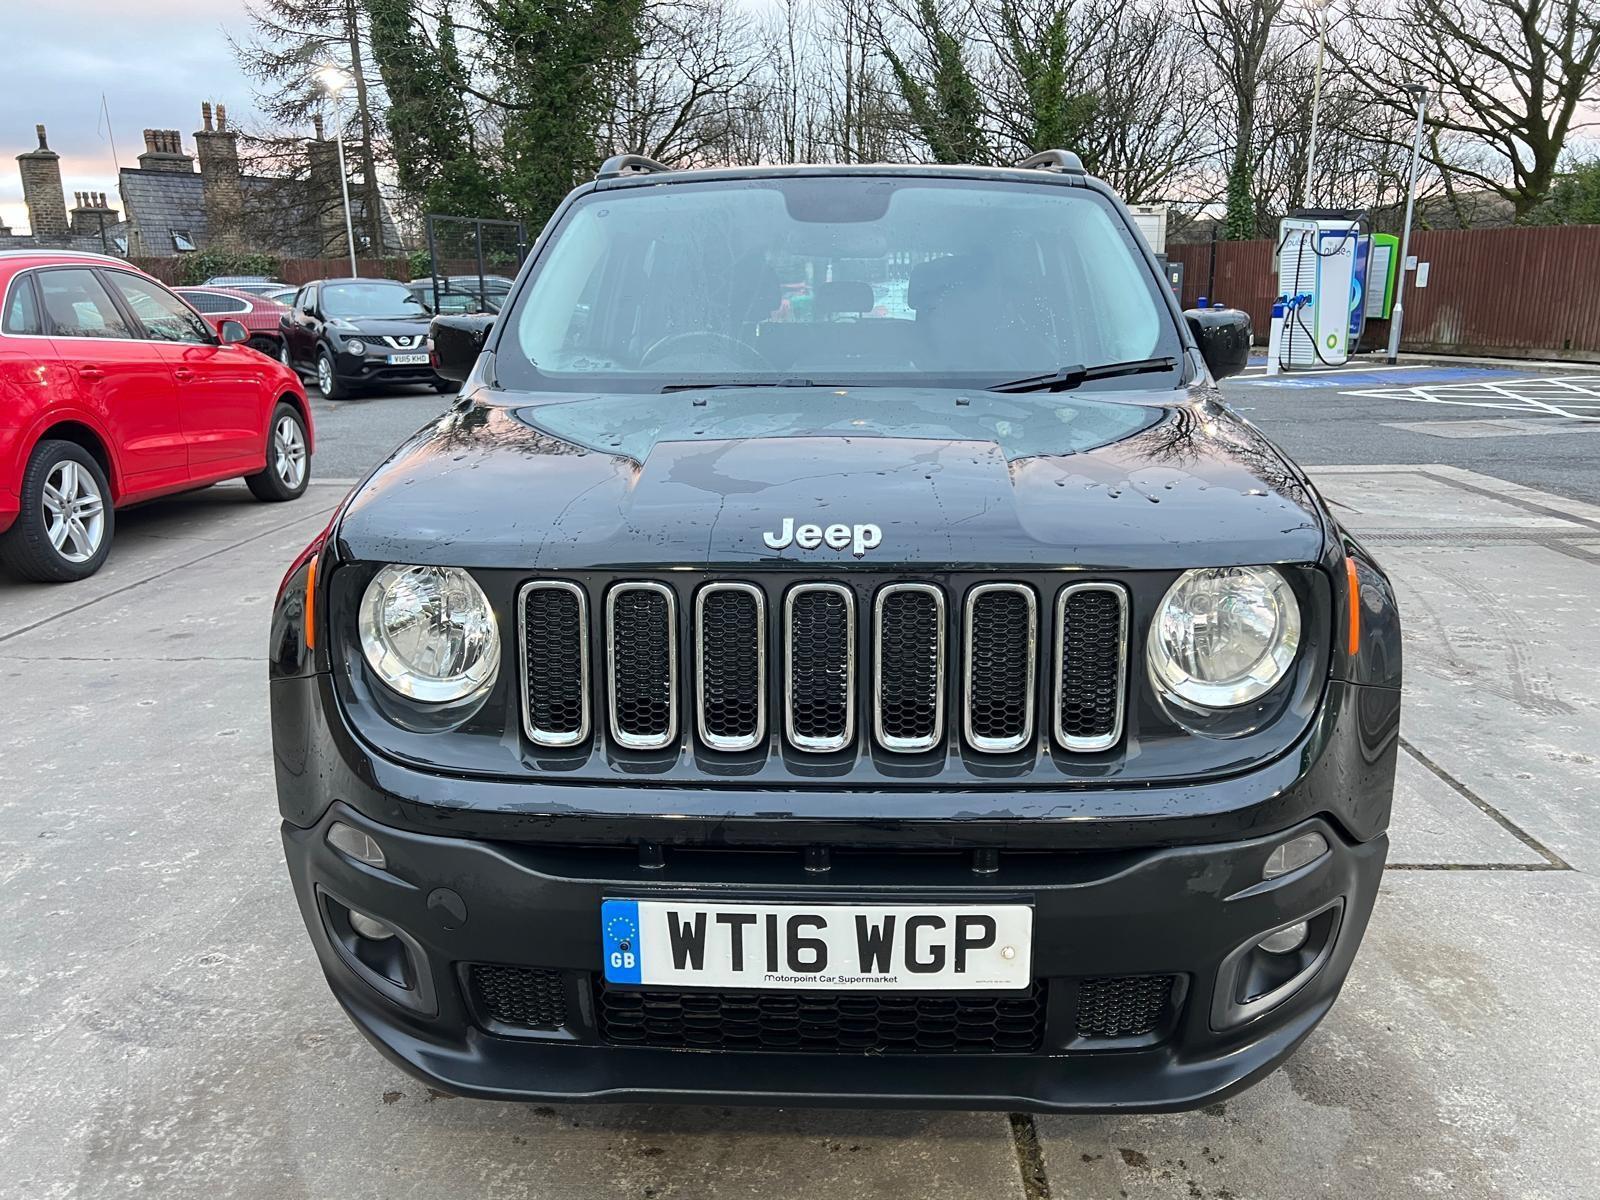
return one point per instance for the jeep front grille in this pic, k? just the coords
(1091, 660)
(642, 664)
(730, 638)
(908, 666)
(554, 623)
(904, 667)
(1002, 635)
(819, 626)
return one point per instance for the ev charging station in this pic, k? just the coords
(1322, 256)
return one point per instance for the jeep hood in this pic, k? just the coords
(537, 481)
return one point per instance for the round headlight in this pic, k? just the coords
(429, 633)
(1224, 636)
(355, 346)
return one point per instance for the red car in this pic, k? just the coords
(263, 318)
(113, 391)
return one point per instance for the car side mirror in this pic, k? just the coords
(1224, 336)
(455, 343)
(232, 333)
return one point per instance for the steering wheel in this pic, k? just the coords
(690, 350)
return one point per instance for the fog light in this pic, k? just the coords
(355, 346)
(376, 931)
(1294, 854)
(1282, 942)
(348, 840)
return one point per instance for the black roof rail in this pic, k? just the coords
(1054, 160)
(619, 165)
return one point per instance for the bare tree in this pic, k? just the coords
(1512, 78)
(1238, 37)
(678, 95)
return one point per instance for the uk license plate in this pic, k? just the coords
(408, 360)
(867, 947)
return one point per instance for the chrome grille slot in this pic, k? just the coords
(731, 667)
(819, 625)
(642, 665)
(553, 626)
(908, 666)
(1001, 636)
(1090, 666)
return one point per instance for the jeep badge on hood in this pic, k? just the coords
(860, 538)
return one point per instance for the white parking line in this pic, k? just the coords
(1578, 395)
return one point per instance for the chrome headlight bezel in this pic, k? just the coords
(466, 606)
(1191, 688)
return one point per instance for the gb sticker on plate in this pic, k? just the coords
(619, 929)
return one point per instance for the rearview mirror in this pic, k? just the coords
(455, 343)
(232, 333)
(1224, 336)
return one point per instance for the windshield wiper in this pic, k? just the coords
(1068, 378)
(743, 383)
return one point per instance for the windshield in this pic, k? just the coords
(833, 280)
(370, 300)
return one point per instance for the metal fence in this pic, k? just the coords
(473, 261)
(1520, 292)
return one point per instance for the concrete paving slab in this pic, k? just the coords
(1498, 691)
(1460, 1061)
(1411, 500)
(1434, 825)
(158, 538)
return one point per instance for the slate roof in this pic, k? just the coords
(280, 213)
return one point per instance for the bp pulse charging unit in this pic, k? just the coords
(1321, 254)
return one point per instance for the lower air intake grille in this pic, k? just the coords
(523, 997)
(1091, 652)
(826, 1022)
(555, 639)
(820, 698)
(1122, 1006)
(643, 658)
(1002, 629)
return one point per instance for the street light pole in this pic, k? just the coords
(1397, 316)
(344, 183)
(334, 80)
(1319, 13)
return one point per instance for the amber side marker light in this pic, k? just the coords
(1355, 605)
(311, 603)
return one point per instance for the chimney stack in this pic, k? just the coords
(92, 213)
(41, 189)
(163, 151)
(217, 147)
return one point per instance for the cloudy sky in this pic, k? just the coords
(155, 60)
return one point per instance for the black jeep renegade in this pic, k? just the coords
(839, 649)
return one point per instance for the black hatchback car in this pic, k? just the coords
(358, 333)
(839, 649)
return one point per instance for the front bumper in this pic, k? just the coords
(373, 368)
(1176, 911)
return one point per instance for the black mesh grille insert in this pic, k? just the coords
(524, 997)
(830, 1022)
(1122, 1006)
(1089, 711)
(731, 638)
(642, 665)
(553, 642)
(1002, 628)
(821, 688)
(909, 693)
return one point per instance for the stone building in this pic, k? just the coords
(176, 203)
